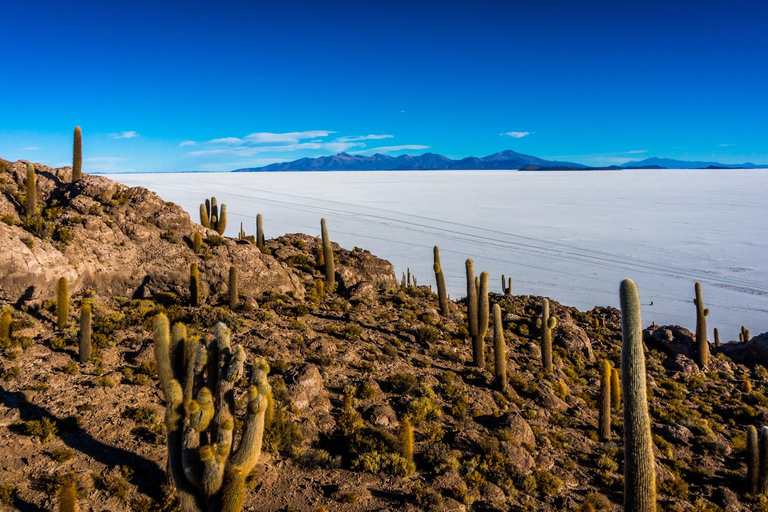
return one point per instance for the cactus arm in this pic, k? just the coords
(605, 401)
(440, 279)
(471, 298)
(205, 218)
(221, 225)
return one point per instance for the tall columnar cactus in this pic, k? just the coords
(604, 428)
(410, 282)
(194, 285)
(440, 278)
(702, 345)
(405, 435)
(506, 288)
(546, 323)
(5, 325)
(744, 335)
(762, 484)
(68, 496)
(205, 215)
(639, 469)
(233, 297)
(477, 312)
(62, 303)
(221, 224)
(198, 383)
(260, 241)
(85, 333)
(753, 460)
(330, 269)
(499, 350)
(241, 234)
(77, 155)
(212, 217)
(197, 242)
(615, 389)
(31, 191)
(717, 337)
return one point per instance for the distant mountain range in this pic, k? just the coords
(505, 160)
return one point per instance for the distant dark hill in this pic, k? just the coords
(669, 163)
(428, 161)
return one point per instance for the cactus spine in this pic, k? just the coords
(5, 325)
(615, 389)
(194, 285)
(753, 460)
(62, 303)
(31, 191)
(197, 242)
(499, 349)
(77, 155)
(507, 289)
(233, 297)
(405, 435)
(85, 333)
(440, 278)
(330, 271)
(639, 469)
(260, 242)
(702, 345)
(68, 496)
(546, 324)
(605, 401)
(197, 381)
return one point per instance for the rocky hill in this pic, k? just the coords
(347, 368)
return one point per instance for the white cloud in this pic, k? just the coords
(289, 137)
(31, 148)
(226, 140)
(391, 149)
(637, 151)
(356, 138)
(517, 135)
(242, 151)
(186, 143)
(725, 145)
(124, 135)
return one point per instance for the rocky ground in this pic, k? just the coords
(384, 347)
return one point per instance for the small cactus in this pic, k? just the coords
(506, 288)
(717, 337)
(615, 389)
(546, 323)
(405, 436)
(77, 155)
(639, 468)
(330, 270)
(410, 281)
(605, 401)
(31, 191)
(762, 484)
(194, 285)
(499, 350)
(85, 333)
(68, 496)
(260, 242)
(5, 325)
(744, 335)
(241, 234)
(62, 303)
(753, 460)
(197, 242)
(702, 345)
(233, 297)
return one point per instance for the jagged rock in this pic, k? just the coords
(382, 416)
(681, 364)
(677, 434)
(574, 339)
(306, 389)
(518, 427)
(670, 339)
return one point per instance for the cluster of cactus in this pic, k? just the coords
(213, 217)
(744, 335)
(639, 464)
(477, 312)
(31, 205)
(241, 235)
(197, 380)
(409, 280)
(506, 285)
(604, 422)
(442, 295)
(194, 285)
(499, 350)
(327, 252)
(85, 333)
(702, 345)
(62, 303)
(260, 241)
(77, 155)
(233, 293)
(546, 323)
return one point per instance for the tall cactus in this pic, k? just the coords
(198, 384)
(717, 337)
(762, 484)
(440, 278)
(221, 224)
(197, 242)
(639, 469)
(194, 285)
(62, 303)
(753, 460)
(546, 323)
(68, 496)
(31, 204)
(506, 288)
(77, 155)
(605, 400)
(477, 312)
(499, 350)
(260, 242)
(405, 435)
(233, 297)
(615, 389)
(213, 217)
(5, 325)
(85, 333)
(330, 269)
(702, 345)
(205, 215)
(744, 335)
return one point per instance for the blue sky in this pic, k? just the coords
(176, 86)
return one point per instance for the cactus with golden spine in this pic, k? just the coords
(546, 323)
(85, 333)
(68, 496)
(197, 242)
(702, 345)
(615, 389)
(194, 285)
(31, 203)
(753, 460)
(605, 401)
(499, 350)
(330, 270)
(405, 436)
(197, 380)
(762, 478)
(213, 217)
(639, 464)
(62, 303)
(221, 224)
(233, 297)
(260, 241)
(744, 335)
(6, 318)
(440, 278)
(477, 312)
(506, 288)
(205, 216)
(77, 155)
